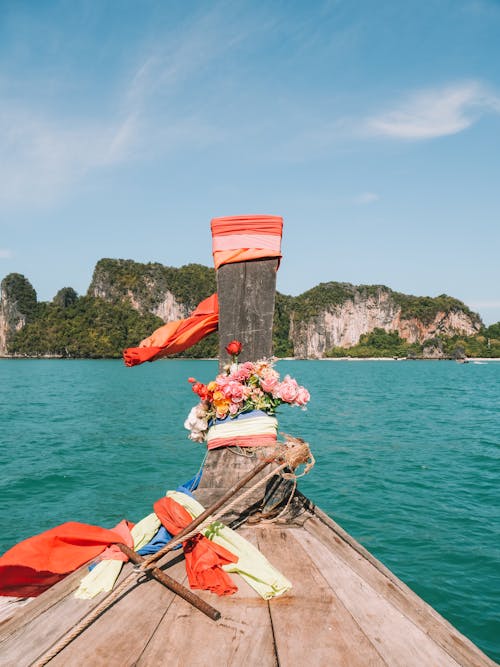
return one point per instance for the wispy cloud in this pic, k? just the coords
(5, 253)
(366, 198)
(41, 157)
(44, 154)
(427, 114)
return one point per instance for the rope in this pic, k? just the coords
(246, 452)
(84, 623)
(285, 509)
(293, 453)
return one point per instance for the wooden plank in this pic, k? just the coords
(311, 624)
(10, 606)
(400, 642)
(120, 635)
(243, 636)
(39, 605)
(33, 638)
(224, 467)
(246, 292)
(382, 580)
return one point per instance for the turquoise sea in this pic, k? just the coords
(408, 460)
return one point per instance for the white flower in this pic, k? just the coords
(197, 423)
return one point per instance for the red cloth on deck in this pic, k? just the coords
(32, 566)
(176, 336)
(204, 558)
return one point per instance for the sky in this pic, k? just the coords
(373, 128)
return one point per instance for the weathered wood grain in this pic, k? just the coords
(32, 638)
(120, 635)
(21, 648)
(243, 636)
(39, 605)
(246, 292)
(224, 467)
(311, 624)
(383, 581)
(400, 642)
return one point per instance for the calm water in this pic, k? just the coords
(408, 460)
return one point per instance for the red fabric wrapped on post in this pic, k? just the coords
(242, 238)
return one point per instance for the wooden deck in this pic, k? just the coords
(345, 608)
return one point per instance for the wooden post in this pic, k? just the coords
(246, 292)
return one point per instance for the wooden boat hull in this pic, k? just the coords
(345, 608)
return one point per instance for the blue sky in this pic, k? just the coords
(373, 128)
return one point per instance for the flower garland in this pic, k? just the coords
(242, 388)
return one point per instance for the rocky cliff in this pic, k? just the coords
(166, 292)
(126, 298)
(17, 307)
(337, 314)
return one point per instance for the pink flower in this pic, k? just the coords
(303, 396)
(256, 393)
(269, 383)
(243, 372)
(287, 390)
(235, 391)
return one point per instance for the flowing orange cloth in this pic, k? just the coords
(176, 336)
(242, 238)
(239, 238)
(35, 564)
(204, 558)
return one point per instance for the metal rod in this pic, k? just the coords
(173, 585)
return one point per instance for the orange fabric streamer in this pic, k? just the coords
(239, 238)
(32, 566)
(176, 336)
(246, 231)
(204, 558)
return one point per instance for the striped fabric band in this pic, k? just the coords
(243, 238)
(237, 241)
(247, 432)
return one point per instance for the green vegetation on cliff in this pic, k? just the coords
(381, 343)
(87, 327)
(378, 343)
(119, 278)
(116, 313)
(425, 308)
(20, 293)
(485, 344)
(328, 295)
(282, 345)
